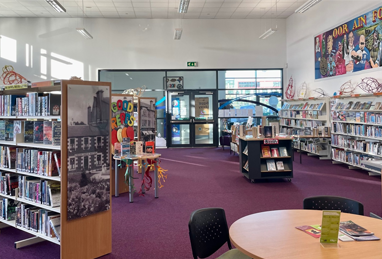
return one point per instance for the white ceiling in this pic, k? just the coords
(153, 9)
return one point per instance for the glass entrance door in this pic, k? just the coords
(192, 118)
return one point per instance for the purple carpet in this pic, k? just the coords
(208, 177)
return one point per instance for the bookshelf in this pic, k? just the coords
(255, 167)
(307, 117)
(94, 228)
(357, 130)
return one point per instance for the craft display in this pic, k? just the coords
(303, 92)
(290, 91)
(347, 88)
(136, 92)
(10, 77)
(320, 92)
(370, 85)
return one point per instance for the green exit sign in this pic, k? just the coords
(192, 64)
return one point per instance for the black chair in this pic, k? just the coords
(333, 203)
(208, 232)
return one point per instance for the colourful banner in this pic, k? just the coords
(351, 47)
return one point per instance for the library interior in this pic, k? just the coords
(227, 129)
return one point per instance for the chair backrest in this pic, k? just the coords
(208, 231)
(333, 203)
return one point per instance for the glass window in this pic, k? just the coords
(180, 133)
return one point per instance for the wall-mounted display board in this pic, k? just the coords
(147, 119)
(174, 82)
(350, 47)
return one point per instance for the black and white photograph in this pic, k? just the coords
(88, 150)
(147, 118)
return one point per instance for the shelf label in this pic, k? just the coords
(271, 141)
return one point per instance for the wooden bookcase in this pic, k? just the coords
(294, 119)
(257, 164)
(355, 137)
(82, 238)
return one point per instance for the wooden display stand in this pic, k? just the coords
(257, 164)
(122, 186)
(82, 238)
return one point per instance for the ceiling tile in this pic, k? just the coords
(213, 4)
(29, 3)
(159, 1)
(106, 4)
(196, 5)
(124, 4)
(227, 9)
(243, 10)
(107, 9)
(155, 5)
(72, 3)
(161, 9)
(141, 5)
(140, 1)
(223, 16)
(230, 4)
(210, 10)
(232, 1)
(246, 5)
(191, 16)
(194, 10)
(122, 10)
(140, 10)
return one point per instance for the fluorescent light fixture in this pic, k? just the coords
(305, 7)
(84, 33)
(183, 6)
(178, 33)
(267, 33)
(57, 6)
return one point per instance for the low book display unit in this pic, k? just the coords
(262, 158)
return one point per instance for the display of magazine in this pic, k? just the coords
(266, 151)
(283, 151)
(310, 230)
(245, 150)
(275, 152)
(55, 224)
(349, 105)
(352, 229)
(271, 166)
(280, 165)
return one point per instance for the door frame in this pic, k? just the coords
(192, 122)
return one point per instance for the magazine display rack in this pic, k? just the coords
(255, 166)
(82, 237)
(308, 117)
(357, 131)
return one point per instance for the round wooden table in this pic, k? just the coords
(272, 234)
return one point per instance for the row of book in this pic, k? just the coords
(314, 147)
(7, 157)
(46, 163)
(364, 117)
(301, 114)
(275, 166)
(30, 188)
(39, 132)
(38, 220)
(302, 106)
(357, 130)
(300, 123)
(373, 147)
(33, 104)
(267, 151)
(357, 105)
(349, 157)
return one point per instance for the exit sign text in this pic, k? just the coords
(192, 64)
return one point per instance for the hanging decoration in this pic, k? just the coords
(136, 92)
(162, 176)
(303, 91)
(129, 163)
(320, 92)
(347, 88)
(10, 77)
(147, 181)
(290, 91)
(370, 85)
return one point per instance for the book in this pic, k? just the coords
(266, 151)
(125, 147)
(283, 151)
(314, 232)
(271, 166)
(56, 131)
(55, 224)
(54, 104)
(2, 130)
(139, 147)
(38, 134)
(28, 131)
(275, 152)
(149, 147)
(8, 130)
(349, 105)
(17, 128)
(268, 132)
(280, 165)
(377, 105)
(352, 229)
(367, 105)
(57, 159)
(133, 146)
(47, 129)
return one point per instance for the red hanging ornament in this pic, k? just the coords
(290, 91)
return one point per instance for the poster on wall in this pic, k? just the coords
(174, 82)
(88, 150)
(123, 118)
(147, 119)
(202, 107)
(351, 47)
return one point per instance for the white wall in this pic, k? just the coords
(122, 44)
(301, 29)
